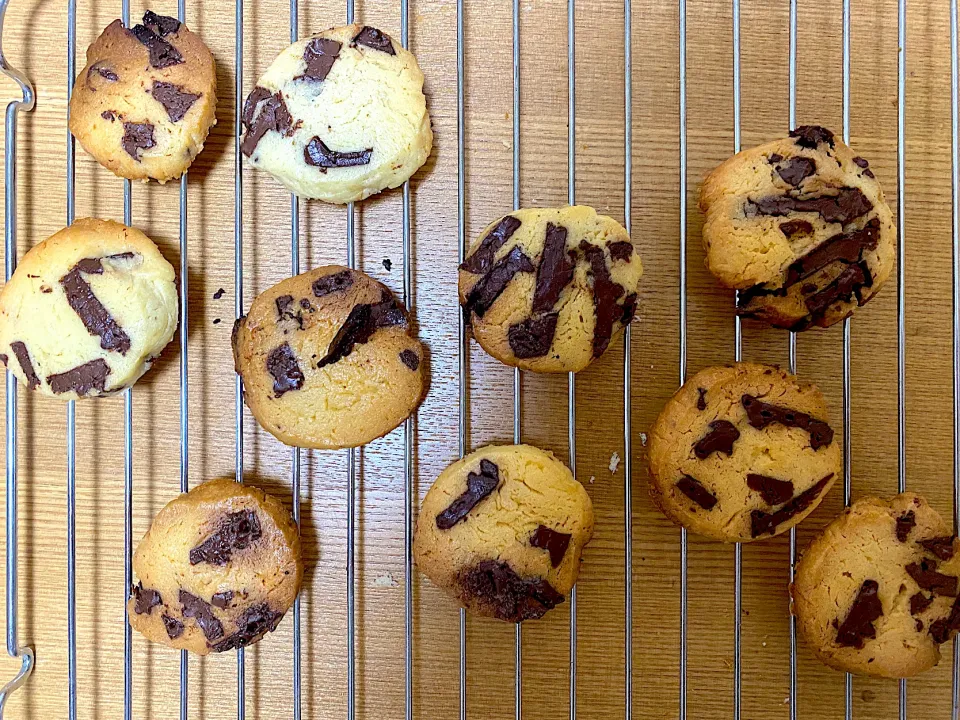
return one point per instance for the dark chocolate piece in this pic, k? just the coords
(605, 295)
(4, 358)
(846, 206)
(338, 282)
(762, 522)
(108, 115)
(906, 523)
(862, 163)
(795, 227)
(492, 284)
(621, 250)
(173, 626)
(533, 337)
(410, 359)
(362, 322)
(701, 398)
(479, 486)
(509, 596)
(846, 247)
(865, 610)
(693, 489)
(162, 25)
(136, 137)
(774, 158)
(629, 308)
(200, 610)
(95, 317)
(283, 367)
(375, 39)
(796, 170)
(772, 490)
(919, 602)
(809, 136)
(942, 547)
(237, 531)
(761, 414)
(23, 357)
(103, 70)
(284, 304)
(387, 264)
(264, 111)
(81, 379)
(847, 284)
(253, 624)
(482, 258)
(925, 574)
(555, 270)
(942, 630)
(173, 98)
(218, 294)
(720, 438)
(222, 599)
(554, 542)
(317, 153)
(162, 53)
(319, 55)
(145, 600)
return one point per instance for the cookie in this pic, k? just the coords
(876, 591)
(144, 103)
(800, 227)
(742, 452)
(87, 311)
(218, 569)
(502, 529)
(328, 361)
(339, 116)
(547, 289)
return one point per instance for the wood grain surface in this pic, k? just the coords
(35, 41)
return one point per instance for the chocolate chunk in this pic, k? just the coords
(605, 295)
(199, 610)
(264, 111)
(162, 25)
(253, 624)
(925, 574)
(218, 294)
(492, 284)
(81, 379)
(482, 258)
(4, 358)
(509, 596)
(145, 600)
(762, 522)
(621, 250)
(479, 486)
(137, 137)
(338, 282)
(761, 414)
(108, 115)
(102, 69)
(554, 542)
(319, 55)
(222, 599)
(173, 626)
(284, 303)
(693, 489)
(862, 163)
(95, 317)
(23, 357)
(555, 270)
(237, 531)
(846, 206)
(283, 367)
(796, 170)
(847, 284)
(774, 158)
(362, 322)
(919, 602)
(846, 247)
(865, 610)
(773, 491)
(720, 438)
(317, 153)
(410, 359)
(942, 547)
(375, 39)
(795, 227)
(173, 98)
(701, 399)
(629, 308)
(305, 305)
(162, 53)
(533, 337)
(906, 523)
(942, 630)
(809, 136)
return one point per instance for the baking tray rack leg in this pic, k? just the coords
(627, 370)
(955, 228)
(682, 360)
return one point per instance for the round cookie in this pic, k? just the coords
(339, 116)
(87, 311)
(742, 452)
(502, 529)
(147, 98)
(546, 289)
(327, 359)
(876, 591)
(800, 227)
(217, 570)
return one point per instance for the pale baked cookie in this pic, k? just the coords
(502, 529)
(87, 310)
(144, 103)
(876, 591)
(327, 359)
(800, 227)
(742, 452)
(217, 570)
(546, 289)
(339, 116)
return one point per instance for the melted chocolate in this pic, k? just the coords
(925, 574)
(81, 379)
(174, 99)
(284, 369)
(145, 600)
(554, 542)
(905, 524)
(492, 284)
(374, 39)
(317, 153)
(509, 596)
(693, 489)
(762, 522)
(199, 610)
(173, 626)
(410, 359)
(479, 486)
(795, 170)
(360, 325)
(162, 53)
(533, 337)
(555, 270)
(137, 137)
(941, 547)
(264, 111)
(253, 624)
(720, 439)
(338, 282)
(480, 260)
(23, 357)
(319, 55)
(773, 491)
(237, 531)
(865, 610)
(809, 136)
(846, 206)
(605, 295)
(761, 414)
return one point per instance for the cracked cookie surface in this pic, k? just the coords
(742, 452)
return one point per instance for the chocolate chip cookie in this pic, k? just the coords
(87, 311)
(547, 289)
(502, 530)
(876, 592)
(328, 361)
(800, 227)
(339, 116)
(144, 103)
(217, 570)
(742, 452)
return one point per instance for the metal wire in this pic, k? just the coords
(955, 228)
(517, 384)
(682, 360)
(627, 371)
(571, 377)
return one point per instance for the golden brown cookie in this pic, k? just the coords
(876, 591)
(327, 359)
(502, 530)
(742, 452)
(147, 98)
(217, 570)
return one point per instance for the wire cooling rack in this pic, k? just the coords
(635, 688)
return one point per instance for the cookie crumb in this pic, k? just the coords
(385, 580)
(643, 439)
(614, 462)
(218, 294)
(387, 264)
(216, 321)
(592, 478)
